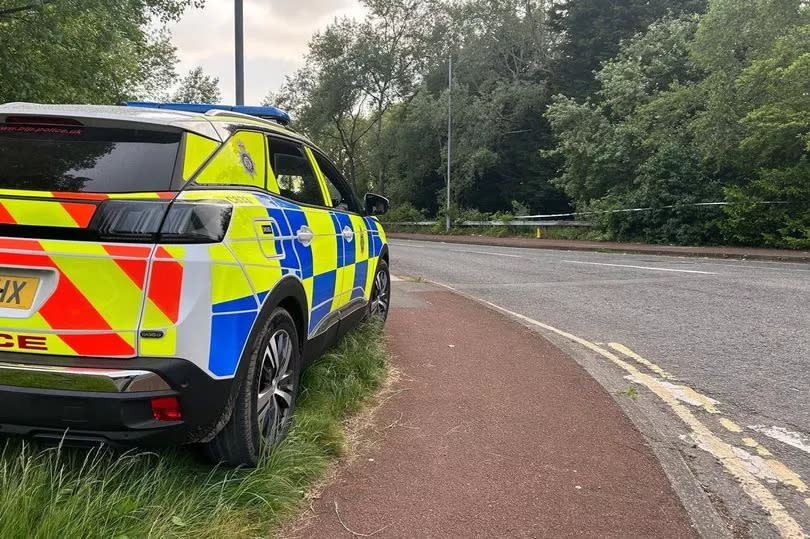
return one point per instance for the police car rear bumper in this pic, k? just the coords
(99, 400)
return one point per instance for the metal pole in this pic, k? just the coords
(239, 33)
(449, 133)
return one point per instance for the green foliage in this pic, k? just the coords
(557, 105)
(89, 51)
(597, 156)
(669, 182)
(647, 65)
(404, 213)
(501, 62)
(197, 87)
(69, 493)
(697, 110)
(376, 92)
(786, 224)
(592, 31)
(415, 165)
(355, 72)
(777, 123)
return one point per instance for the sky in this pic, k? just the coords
(276, 37)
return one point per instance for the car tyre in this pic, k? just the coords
(380, 301)
(266, 398)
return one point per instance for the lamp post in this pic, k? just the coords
(449, 134)
(239, 34)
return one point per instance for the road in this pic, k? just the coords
(732, 331)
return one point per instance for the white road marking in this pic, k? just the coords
(639, 267)
(395, 279)
(784, 266)
(793, 439)
(440, 246)
(484, 253)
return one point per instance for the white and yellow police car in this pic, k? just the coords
(168, 270)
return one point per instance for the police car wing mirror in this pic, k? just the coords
(376, 204)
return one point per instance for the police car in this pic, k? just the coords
(168, 270)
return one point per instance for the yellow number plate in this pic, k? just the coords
(17, 292)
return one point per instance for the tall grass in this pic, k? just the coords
(61, 492)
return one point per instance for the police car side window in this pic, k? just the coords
(339, 191)
(294, 174)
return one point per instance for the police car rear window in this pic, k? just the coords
(86, 159)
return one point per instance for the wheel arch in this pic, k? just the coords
(288, 293)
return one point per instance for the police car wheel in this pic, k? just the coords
(266, 400)
(380, 300)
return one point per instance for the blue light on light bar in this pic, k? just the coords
(268, 113)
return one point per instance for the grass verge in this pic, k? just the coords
(61, 492)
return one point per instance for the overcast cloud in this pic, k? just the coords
(276, 36)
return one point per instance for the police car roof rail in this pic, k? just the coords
(220, 112)
(266, 113)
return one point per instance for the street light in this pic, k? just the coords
(449, 133)
(239, 34)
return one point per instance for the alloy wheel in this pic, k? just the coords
(274, 399)
(381, 295)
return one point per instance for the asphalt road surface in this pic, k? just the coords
(737, 332)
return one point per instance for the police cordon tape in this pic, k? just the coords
(631, 210)
(526, 220)
(496, 223)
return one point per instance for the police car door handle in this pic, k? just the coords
(305, 236)
(348, 233)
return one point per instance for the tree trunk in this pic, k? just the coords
(353, 173)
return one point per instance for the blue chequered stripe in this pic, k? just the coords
(360, 274)
(345, 249)
(229, 333)
(233, 320)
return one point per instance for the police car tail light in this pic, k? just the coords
(129, 220)
(161, 221)
(196, 222)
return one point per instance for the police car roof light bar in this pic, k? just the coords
(267, 113)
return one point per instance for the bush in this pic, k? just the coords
(404, 213)
(670, 182)
(752, 222)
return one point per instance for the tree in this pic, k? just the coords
(773, 208)
(732, 35)
(355, 71)
(501, 66)
(327, 97)
(698, 111)
(197, 87)
(94, 51)
(592, 31)
(391, 51)
(668, 104)
(631, 147)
